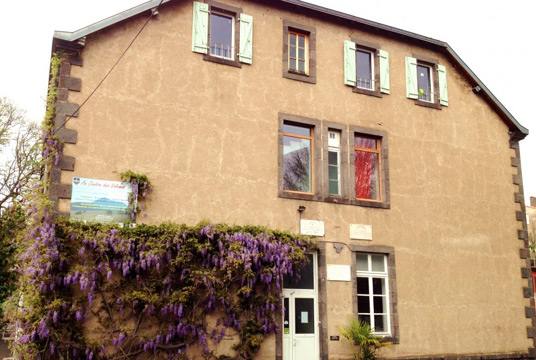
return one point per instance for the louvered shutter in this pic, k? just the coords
(349, 63)
(443, 91)
(246, 39)
(411, 78)
(385, 86)
(200, 28)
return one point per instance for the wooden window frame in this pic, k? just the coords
(316, 187)
(310, 33)
(378, 151)
(306, 52)
(311, 152)
(383, 159)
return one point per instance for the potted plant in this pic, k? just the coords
(362, 336)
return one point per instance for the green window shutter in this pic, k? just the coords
(349, 63)
(200, 28)
(385, 87)
(246, 39)
(411, 78)
(443, 91)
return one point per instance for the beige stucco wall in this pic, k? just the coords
(206, 135)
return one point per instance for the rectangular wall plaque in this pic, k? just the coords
(334, 338)
(360, 232)
(339, 272)
(312, 227)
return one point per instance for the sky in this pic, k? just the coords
(494, 38)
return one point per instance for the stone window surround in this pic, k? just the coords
(311, 33)
(432, 63)
(389, 251)
(227, 10)
(320, 171)
(373, 48)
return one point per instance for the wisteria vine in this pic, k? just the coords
(94, 291)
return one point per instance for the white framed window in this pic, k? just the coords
(425, 82)
(334, 162)
(373, 291)
(365, 69)
(222, 39)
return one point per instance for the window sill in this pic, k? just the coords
(222, 61)
(367, 92)
(299, 196)
(334, 200)
(299, 77)
(428, 104)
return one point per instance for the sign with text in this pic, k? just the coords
(312, 227)
(100, 200)
(360, 232)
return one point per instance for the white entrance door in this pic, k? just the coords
(300, 318)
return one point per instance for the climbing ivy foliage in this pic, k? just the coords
(94, 291)
(141, 188)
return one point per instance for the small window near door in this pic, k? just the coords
(373, 292)
(305, 280)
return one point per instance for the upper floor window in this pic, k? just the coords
(299, 52)
(366, 68)
(222, 32)
(334, 162)
(298, 55)
(297, 156)
(222, 35)
(426, 82)
(367, 167)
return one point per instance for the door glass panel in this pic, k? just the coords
(286, 323)
(304, 316)
(306, 278)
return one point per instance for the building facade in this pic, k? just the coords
(381, 143)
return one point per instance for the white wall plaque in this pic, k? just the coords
(360, 232)
(312, 227)
(339, 272)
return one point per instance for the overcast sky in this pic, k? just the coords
(495, 38)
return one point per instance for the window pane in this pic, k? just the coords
(362, 286)
(364, 69)
(365, 318)
(221, 35)
(367, 175)
(292, 39)
(363, 304)
(292, 51)
(367, 142)
(304, 316)
(379, 305)
(297, 164)
(301, 65)
(301, 53)
(292, 64)
(423, 82)
(333, 158)
(378, 263)
(301, 41)
(379, 323)
(305, 280)
(297, 130)
(378, 286)
(362, 262)
(333, 187)
(286, 323)
(333, 172)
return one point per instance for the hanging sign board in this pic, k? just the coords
(100, 200)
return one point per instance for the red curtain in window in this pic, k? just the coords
(364, 166)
